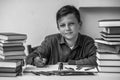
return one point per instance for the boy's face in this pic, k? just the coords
(69, 26)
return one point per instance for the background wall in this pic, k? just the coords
(90, 17)
(36, 18)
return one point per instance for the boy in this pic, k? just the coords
(67, 46)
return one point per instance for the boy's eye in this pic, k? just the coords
(70, 24)
(62, 25)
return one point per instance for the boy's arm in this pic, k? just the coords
(90, 52)
(30, 58)
(41, 52)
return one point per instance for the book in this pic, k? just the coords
(111, 30)
(111, 38)
(109, 23)
(100, 40)
(107, 35)
(12, 36)
(10, 63)
(115, 63)
(10, 44)
(10, 57)
(12, 41)
(66, 67)
(109, 69)
(21, 60)
(12, 48)
(107, 56)
(9, 69)
(107, 48)
(10, 53)
(10, 74)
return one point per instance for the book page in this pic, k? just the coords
(65, 68)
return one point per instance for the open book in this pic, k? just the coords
(67, 70)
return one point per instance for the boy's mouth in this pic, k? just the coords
(68, 33)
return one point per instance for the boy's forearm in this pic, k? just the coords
(86, 61)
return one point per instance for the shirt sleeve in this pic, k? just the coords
(42, 51)
(90, 54)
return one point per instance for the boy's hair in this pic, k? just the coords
(68, 9)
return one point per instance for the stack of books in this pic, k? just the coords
(108, 46)
(12, 48)
(10, 68)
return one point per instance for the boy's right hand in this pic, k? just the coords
(39, 62)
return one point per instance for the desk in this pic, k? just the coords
(97, 76)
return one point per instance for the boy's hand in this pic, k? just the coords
(39, 62)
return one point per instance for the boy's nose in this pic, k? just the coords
(67, 27)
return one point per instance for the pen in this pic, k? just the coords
(47, 73)
(89, 68)
(71, 69)
(40, 57)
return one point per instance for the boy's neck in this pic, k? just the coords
(71, 42)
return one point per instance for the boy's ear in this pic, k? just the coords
(80, 24)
